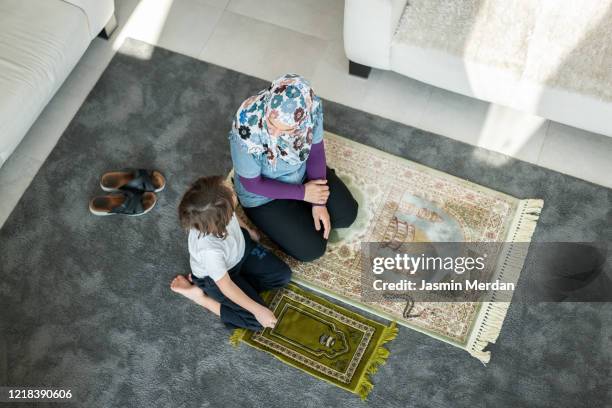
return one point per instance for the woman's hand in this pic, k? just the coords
(316, 191)
(321, 216)
(265, 317)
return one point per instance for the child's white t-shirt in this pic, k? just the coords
(212, 256)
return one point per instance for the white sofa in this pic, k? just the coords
(40, 43)
(549, 58)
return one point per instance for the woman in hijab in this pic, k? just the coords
(280, 174)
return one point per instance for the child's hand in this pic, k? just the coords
(253, 234)
(265, 317)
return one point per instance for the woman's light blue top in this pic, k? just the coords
(252, 165)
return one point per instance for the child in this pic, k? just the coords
(229, 268)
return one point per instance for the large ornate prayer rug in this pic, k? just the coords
(402, 201)
(322, 339)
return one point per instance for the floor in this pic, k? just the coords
(88, 308)
(257, 38)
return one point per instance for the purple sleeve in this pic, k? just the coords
(315, 165)
(273, 188)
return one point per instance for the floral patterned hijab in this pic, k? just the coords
(289, 101)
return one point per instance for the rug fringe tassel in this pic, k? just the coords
(236, 336)
(489, 327)
(389, 334)
(489, 330)
(378, 358)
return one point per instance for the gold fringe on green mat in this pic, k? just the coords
(378, 358)
(236, 336)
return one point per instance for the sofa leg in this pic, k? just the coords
(359, 70)
(110, 28)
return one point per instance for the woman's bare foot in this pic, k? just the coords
(181, 285)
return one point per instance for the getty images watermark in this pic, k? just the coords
(475, 272)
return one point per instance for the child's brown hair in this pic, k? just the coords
(207, 206)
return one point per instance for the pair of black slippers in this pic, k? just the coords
(133, 192)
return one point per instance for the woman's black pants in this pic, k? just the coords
(290, 225)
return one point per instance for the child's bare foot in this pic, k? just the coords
(181, 285)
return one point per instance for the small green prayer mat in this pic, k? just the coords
(323, 339)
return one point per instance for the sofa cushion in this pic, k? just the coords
(571, 48)
(556, 43)
(490, 32)
(40, 42)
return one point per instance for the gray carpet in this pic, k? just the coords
(85, 303)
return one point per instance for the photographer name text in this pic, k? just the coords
(408, 285)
